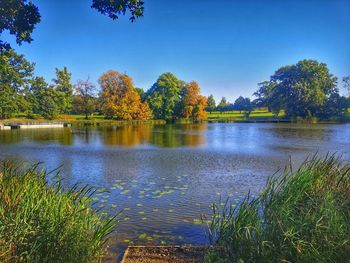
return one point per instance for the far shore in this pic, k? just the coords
(256, 116)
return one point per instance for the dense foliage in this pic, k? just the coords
(64, 89)
(171, 98)
(164, 96)
(302, 216)
(39, 223)
(302, 90)
(211, 103)
(223, 105)
(114, 8)
(305, 90)
(22, 92)
(19, 17)
(193, 104)
(15, 75)
(243, 104)
(120, 99)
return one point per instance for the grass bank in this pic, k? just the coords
(258, 115)
(263, 115)
(301, 216)
(39, 223)
(79, 120)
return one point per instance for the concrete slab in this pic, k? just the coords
(164, 254)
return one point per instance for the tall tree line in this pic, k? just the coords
(23, 92)
(305, 89)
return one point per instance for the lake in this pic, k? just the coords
(164, 177)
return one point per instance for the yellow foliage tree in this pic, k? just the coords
(193, 103)
(120, 99)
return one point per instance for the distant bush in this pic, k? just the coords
(40, 223)
(302, 216)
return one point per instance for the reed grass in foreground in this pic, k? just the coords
(302, 216)
(40, 223)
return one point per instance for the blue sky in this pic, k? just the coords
(228, 46)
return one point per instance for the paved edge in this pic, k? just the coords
(131, 247)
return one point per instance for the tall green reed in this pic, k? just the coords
(43, 223)
(301, 216)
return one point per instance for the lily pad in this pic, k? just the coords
(197, 221)
(143, 235)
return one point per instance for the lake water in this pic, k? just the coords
(164, 177)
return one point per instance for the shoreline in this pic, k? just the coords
(72, 120)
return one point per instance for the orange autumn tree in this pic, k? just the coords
(120, 99)
(193, 103)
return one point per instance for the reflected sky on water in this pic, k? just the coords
(163, 177)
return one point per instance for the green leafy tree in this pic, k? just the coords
(223, 105)
(211, 103)
(19, 17)
(335, 106)
(15, 75)
(48, 106)
(301, 89)
(142, 93)
(115, 8)
(42, 98)
(243, 104)
(84, 100)
(34, 95)
(164, 98)
(263, 92)
(64, 90)
(267, 98)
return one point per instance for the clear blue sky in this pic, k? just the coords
(228, 46)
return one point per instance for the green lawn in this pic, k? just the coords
(259, 114)
(256, 115)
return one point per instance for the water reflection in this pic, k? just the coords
(169, 136)
(164, 176)
(319, 132)
(179, 135)
(47, 136)
(128, 136)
